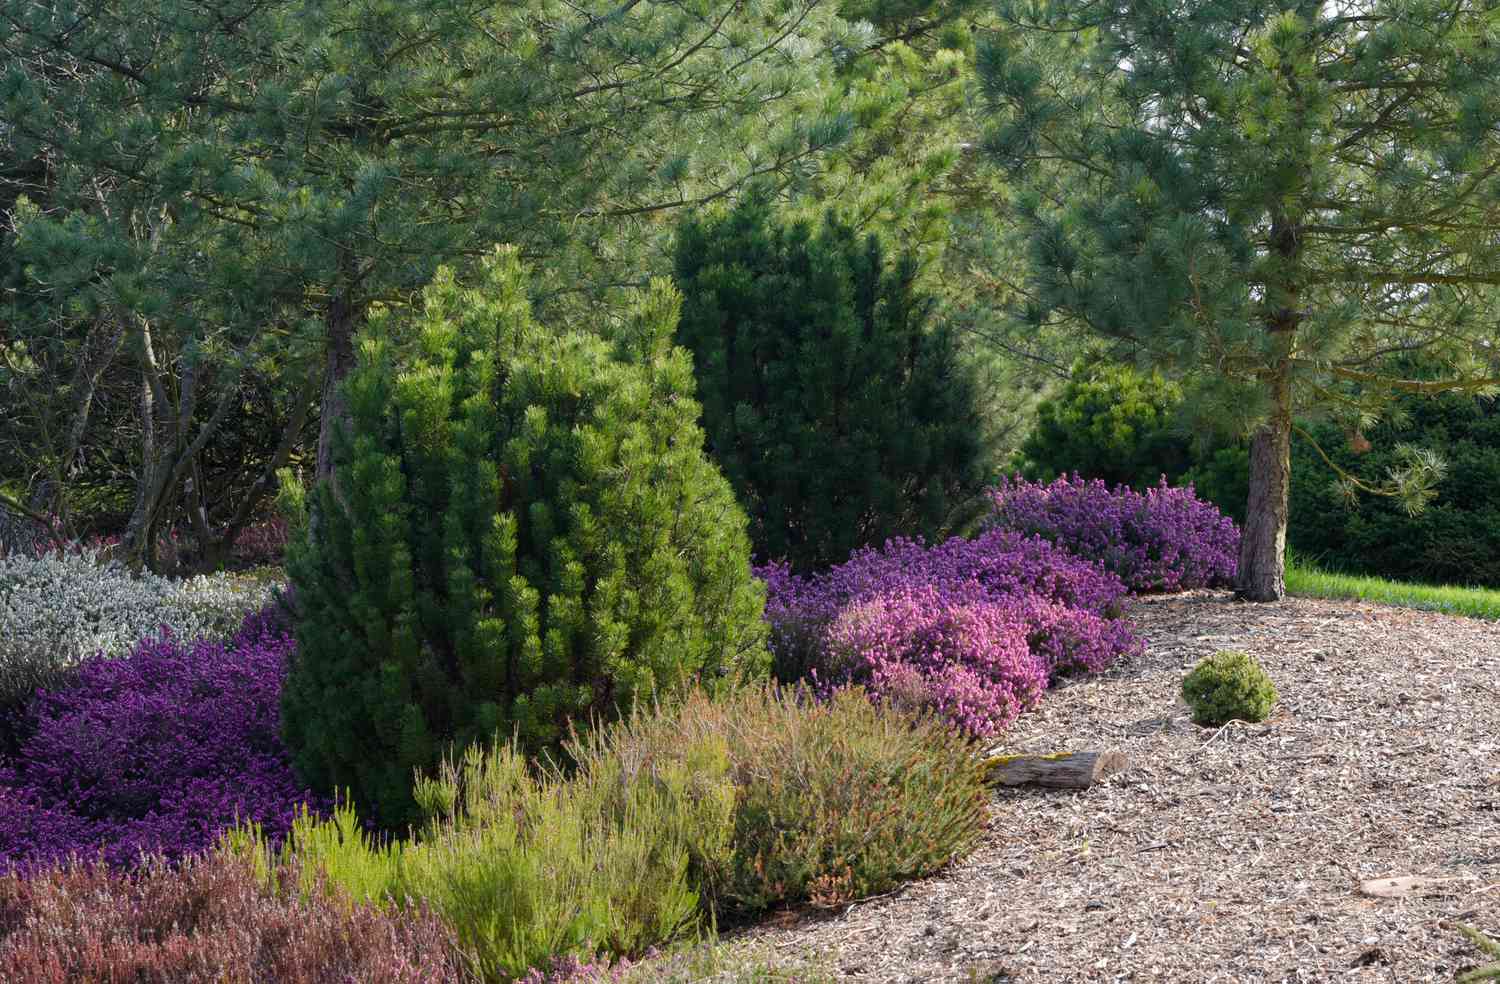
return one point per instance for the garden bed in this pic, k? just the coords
(1233, 854)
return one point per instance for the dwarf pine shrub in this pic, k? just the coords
(526, 533)
(1228, 686)
(842, 412)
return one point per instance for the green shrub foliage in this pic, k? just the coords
(671, 819)
(526, 532)
(1228, 686)
(1112, 422)
(839, 412)
(836, 800)
(1454, 540)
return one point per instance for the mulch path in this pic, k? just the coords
(1233, 854)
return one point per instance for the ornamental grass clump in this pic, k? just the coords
(153, 752)
(529, 865)
(1162, 540)
(1228, 686)
(206, 920)
(527, 535)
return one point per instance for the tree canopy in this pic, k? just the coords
(1268, 193)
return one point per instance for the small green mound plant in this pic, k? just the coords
(526, 534)
(1228, 686)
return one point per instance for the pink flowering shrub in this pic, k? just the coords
(974, 629)
(1165, 539)
(997, 564)
(965, 659)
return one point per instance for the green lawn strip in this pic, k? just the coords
(1307, 581)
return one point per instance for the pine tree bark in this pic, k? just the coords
(1262, 568)
(338, 360)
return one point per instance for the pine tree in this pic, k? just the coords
(222, 184)
(838, 411)
(1269, 193)
(531, 536)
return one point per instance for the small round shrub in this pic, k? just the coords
(526, 534)
(1228, 686)
(1110, 422)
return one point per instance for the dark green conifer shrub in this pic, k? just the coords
(1112, 422)
(1228, 686)
(526, 532)
(840, 414)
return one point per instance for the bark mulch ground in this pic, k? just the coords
(1234, 854)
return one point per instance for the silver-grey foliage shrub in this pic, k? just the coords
(57, 609)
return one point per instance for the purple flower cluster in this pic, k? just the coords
(1165, 539)
(972, 628)
(157, 751)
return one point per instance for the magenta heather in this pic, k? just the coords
(917, 647)
(972, 628)
(157, 751)
(1165, 539)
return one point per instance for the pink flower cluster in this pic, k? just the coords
(1165, 539)
(974, 629)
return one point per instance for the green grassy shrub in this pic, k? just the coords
(835, 800)
(1228, 686)
(525, 865)
(527, 534)
(672, 816)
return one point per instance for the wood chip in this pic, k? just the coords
(1236, 860)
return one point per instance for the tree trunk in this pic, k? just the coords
(339, 359)
(1262, 569)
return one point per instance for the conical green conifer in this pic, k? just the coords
(527, 534)
(838, 411)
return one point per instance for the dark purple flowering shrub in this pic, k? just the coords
(156, 751)
(974, 628)
(1165, 539)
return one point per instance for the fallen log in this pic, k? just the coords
(1061, 770)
